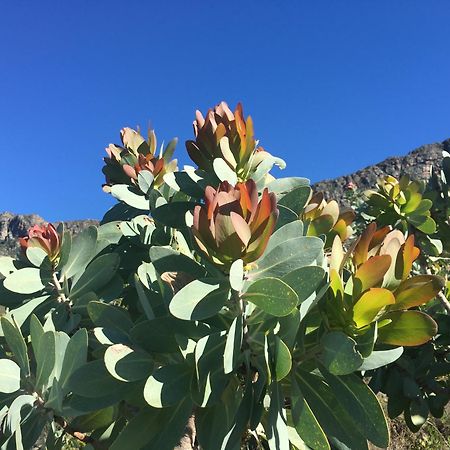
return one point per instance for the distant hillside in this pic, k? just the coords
(417, 164)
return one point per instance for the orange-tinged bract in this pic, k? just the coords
(226, 135)
(233, 223)
(123, 164)
(327, 218)
(45, 237)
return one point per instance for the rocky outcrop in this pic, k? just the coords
(417, 164)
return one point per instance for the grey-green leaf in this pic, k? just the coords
(24, 281)
(272, 295)
(16, 344)
(9, 376)
(339, 354)
(199, 299)
(96, 275)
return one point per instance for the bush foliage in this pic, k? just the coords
(225, 305)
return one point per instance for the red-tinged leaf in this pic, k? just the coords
(371, 273)
(263, 211)
(417, 290)
(259, 242)
(408, 254)
(241, 227)
(370, 304)
(407, 328)
(362, 248)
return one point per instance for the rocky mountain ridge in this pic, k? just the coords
(417, 164)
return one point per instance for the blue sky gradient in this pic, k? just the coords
(332, 86)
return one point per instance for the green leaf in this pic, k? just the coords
(210, 380)
(155, 429)
(199, 299)
(168, 385)
(425, 224)
(22, 313)
(369, 305)
(283, 359)
(381, 358)
(81, 252)
(339, 354)
(366, 412)
(214, 422)
(9, 376)
(130, 196)
(417, 290)
(7, 265)
(237, 275)
(333, 416)
(288, 256)
(291, 230)
(109, 316)
(16, 344)
(285, 185)
(36, 333)
(407, 328)
(276, 428)
(126, 364)
(55, 397)
(92, 380)
(305, 421)
(74, 357)
(233, 344)
(304, 281)
(96, 275)
(224, 172)
(145, 181)
(24, 281)
(95, 420)
(173, 214)
(36, 255)
(272, 295)
(296, 199)
(166, 259)
(45, 359)
(158, 335)
(185, 182)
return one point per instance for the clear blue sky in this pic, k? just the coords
(332, 86)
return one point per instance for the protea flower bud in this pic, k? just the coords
(123, 164)
(45, 237)
(233, 224)
(226, 135)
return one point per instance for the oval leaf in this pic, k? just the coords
(272, 296)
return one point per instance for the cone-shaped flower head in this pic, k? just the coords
(45, 237)
(226, 135)
(124, 163)
(234, 223)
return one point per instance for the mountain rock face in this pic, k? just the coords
(14, 226)
(417, 164)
